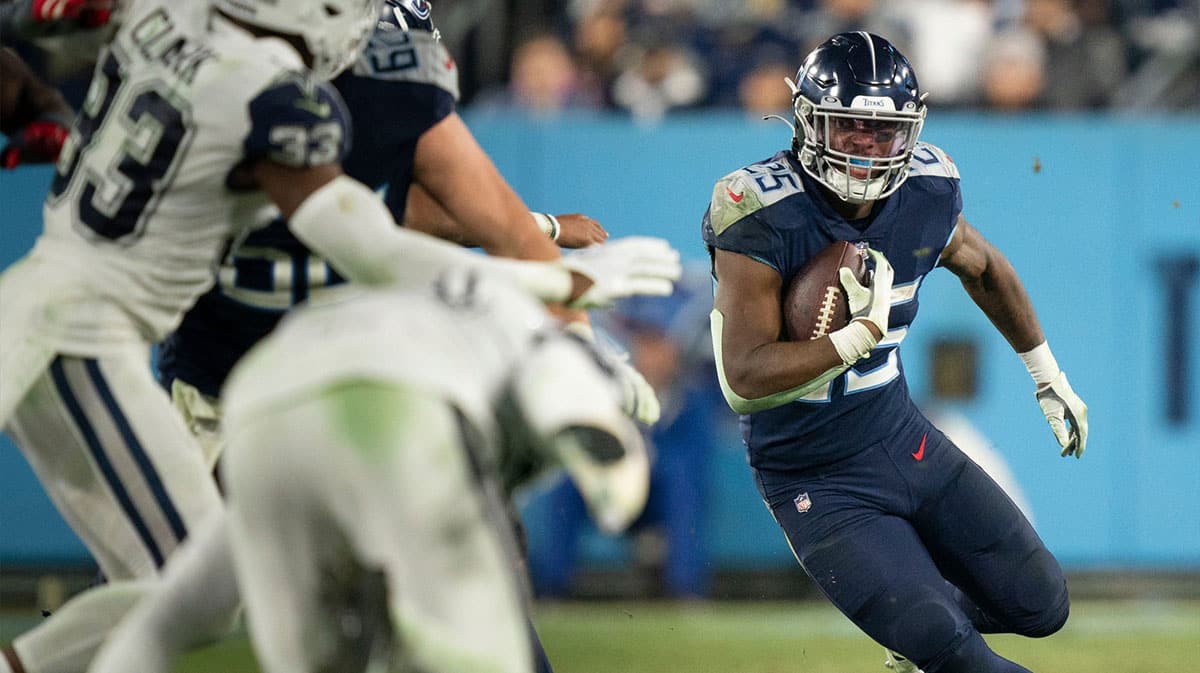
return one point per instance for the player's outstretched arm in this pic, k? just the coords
(448, 164)
(577, 230)
(346, 223)
(34, 116)
(994, 286)
(756, 369)
(342, 220)
(482, 208)
(426, 214)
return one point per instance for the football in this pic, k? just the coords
(815, 303)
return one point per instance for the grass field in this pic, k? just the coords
(622, 637)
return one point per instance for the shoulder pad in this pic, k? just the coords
(750, 189)
(298, 121)
(415, 56)
(931, 160)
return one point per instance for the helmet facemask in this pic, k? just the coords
(333, 32)
(860, 151)
(335, 50)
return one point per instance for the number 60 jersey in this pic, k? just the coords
(154, 181)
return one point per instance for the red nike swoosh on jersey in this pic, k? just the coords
(737, 198)
(920, 454)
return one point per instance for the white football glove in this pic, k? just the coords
(871, 303)
(639, 401)
(1062, 406)
(635, 265)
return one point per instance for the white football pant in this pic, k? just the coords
(115, 458)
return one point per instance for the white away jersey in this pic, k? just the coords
(152, 184)
(457, 342)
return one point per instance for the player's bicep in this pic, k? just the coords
(449, 163)
(968, 252)
(748, 298)
(426, 215)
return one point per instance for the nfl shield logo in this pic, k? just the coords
(803, 503)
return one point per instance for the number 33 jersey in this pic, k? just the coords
(402, 85)
(155, 180)
(774, 213)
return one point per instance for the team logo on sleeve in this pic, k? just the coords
(318, 108)
(729, 203)
(803, 502)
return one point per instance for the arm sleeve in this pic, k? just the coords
(746, 405)
(753, 237)
(347, 224)
(737, 220)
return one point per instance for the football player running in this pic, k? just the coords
(364, 522)
(198, 116)
(905, 535)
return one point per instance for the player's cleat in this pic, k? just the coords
(899, 664)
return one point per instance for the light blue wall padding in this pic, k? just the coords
(30, 527)
(1084, 207)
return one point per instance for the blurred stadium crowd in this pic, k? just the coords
(650, 58)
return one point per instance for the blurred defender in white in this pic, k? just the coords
(199, 114)
(364, 516)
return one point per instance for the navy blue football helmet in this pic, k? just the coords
(408, 15)
(858, 113)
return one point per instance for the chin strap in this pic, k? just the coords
(789, 124)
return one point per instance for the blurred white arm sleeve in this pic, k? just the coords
(747, 405)
(348, 225)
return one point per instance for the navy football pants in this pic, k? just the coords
(921, 550)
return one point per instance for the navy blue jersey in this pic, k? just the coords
(403, 84)
(774, 213)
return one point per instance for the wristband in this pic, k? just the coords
(548, 224)
(1041, 363)
(853, 342)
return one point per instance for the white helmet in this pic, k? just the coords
(334, 31)
(570, 405)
